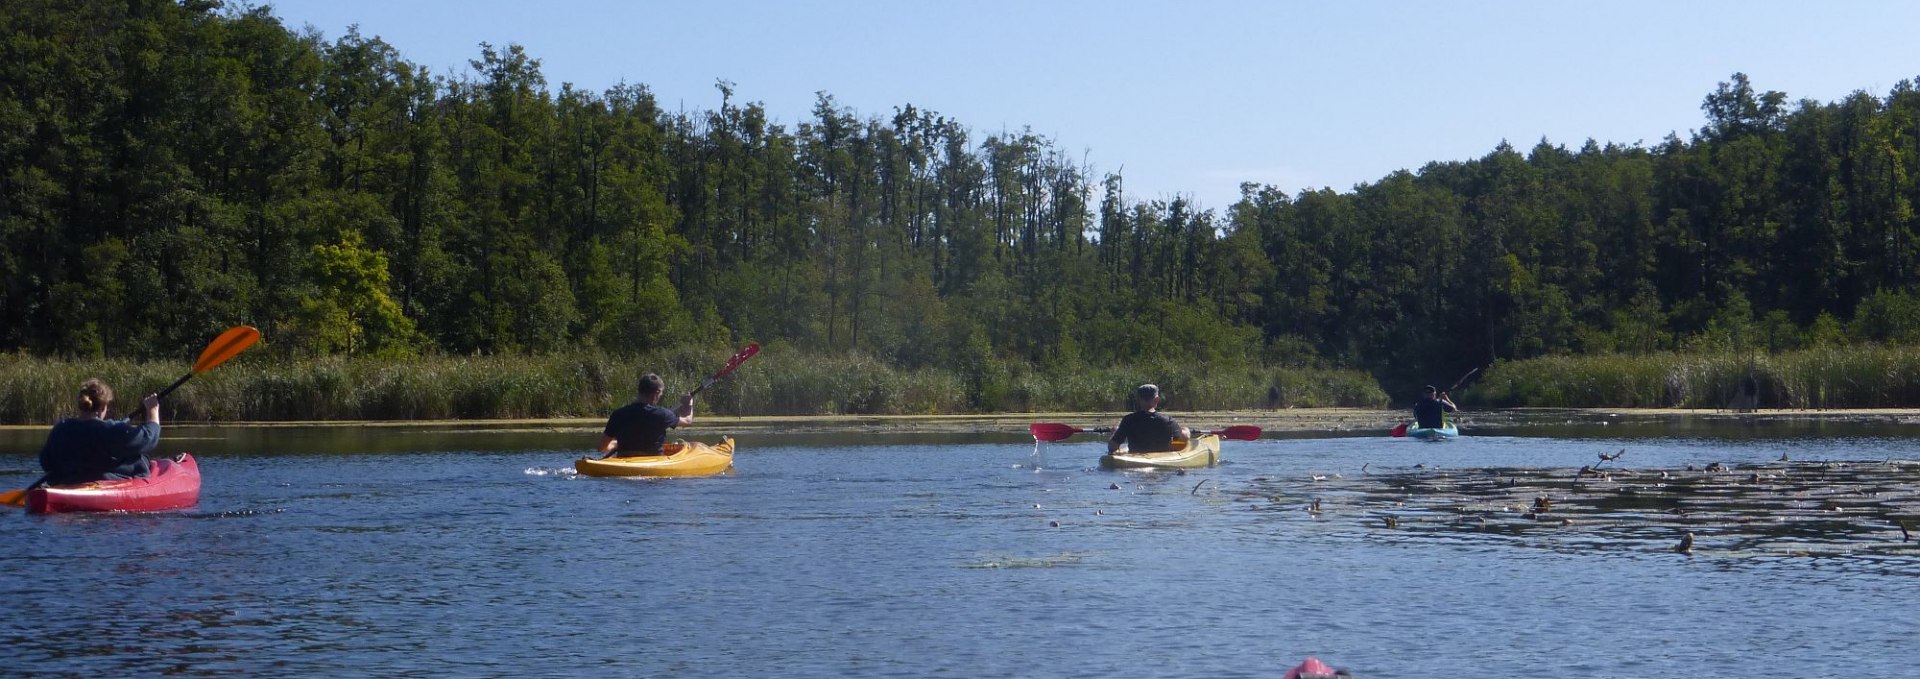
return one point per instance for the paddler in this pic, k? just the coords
(1147, 430)
(640, 427)
(1431, 411)
(90, 447)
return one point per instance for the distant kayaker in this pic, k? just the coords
(1431, 411)
(1147, 430)
(91, 447)
(640, 427)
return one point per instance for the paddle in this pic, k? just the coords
(229, 344)
(738, 358)
(1238, 432)
(1462, 380)
(1401, 431)
(1053, 431)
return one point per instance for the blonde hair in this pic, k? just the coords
(94, 395)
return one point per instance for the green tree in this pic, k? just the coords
(348, 309)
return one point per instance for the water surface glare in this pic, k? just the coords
(983, 556)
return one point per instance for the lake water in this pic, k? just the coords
(384, 551)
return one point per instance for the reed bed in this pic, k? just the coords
(1868, 376)
(780, 381)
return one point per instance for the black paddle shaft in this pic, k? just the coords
(1462, 380)
(163, 393)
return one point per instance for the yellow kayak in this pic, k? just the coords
(1200, 452)
(681, 458)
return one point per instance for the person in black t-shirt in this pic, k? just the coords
(640, 427)
(1431, 411)
(1147, 430)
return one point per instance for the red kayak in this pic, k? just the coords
(1314, 669)
(170, 484)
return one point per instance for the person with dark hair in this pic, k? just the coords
(1147, 430)
(91, 447)
(640, 427)
(1431, 411)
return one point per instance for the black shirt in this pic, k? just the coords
(1431, 412)
(640, 427)
(1148, 431)
(79, 450)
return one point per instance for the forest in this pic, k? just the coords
(168, 169)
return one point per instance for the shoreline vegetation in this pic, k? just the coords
(1287, 420)
(782, 382)
(789, 386)
(1820, 378)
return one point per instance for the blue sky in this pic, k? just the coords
(1192, 97)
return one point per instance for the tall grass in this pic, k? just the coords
(781, 381)
(1825, 377)
(1186, 387)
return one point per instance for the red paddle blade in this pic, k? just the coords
(1400, 431)
(1240, 432)
(739, 357)
(1053, 431)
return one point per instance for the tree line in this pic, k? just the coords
(170, 168)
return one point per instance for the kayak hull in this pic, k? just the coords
(1200, 452)
(1312, 668)
(1447, 431)
(682, 458)
(171, 483)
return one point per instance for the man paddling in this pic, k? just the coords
(640, 427)
(1147, 430)
(1431, 411)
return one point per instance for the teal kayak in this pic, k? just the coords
(1444, 431)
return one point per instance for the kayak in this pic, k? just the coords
(1312, 668)
(1445, 431)
(1200, 452)
(680, 458)
(171, 483)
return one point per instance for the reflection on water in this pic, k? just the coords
(380, 551)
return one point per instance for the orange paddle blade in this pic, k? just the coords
(17, 498)
(229, 344)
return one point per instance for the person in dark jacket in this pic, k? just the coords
(1147, 430)
(91, 447)
(640, 427)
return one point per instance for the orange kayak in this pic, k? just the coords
(680, 458)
